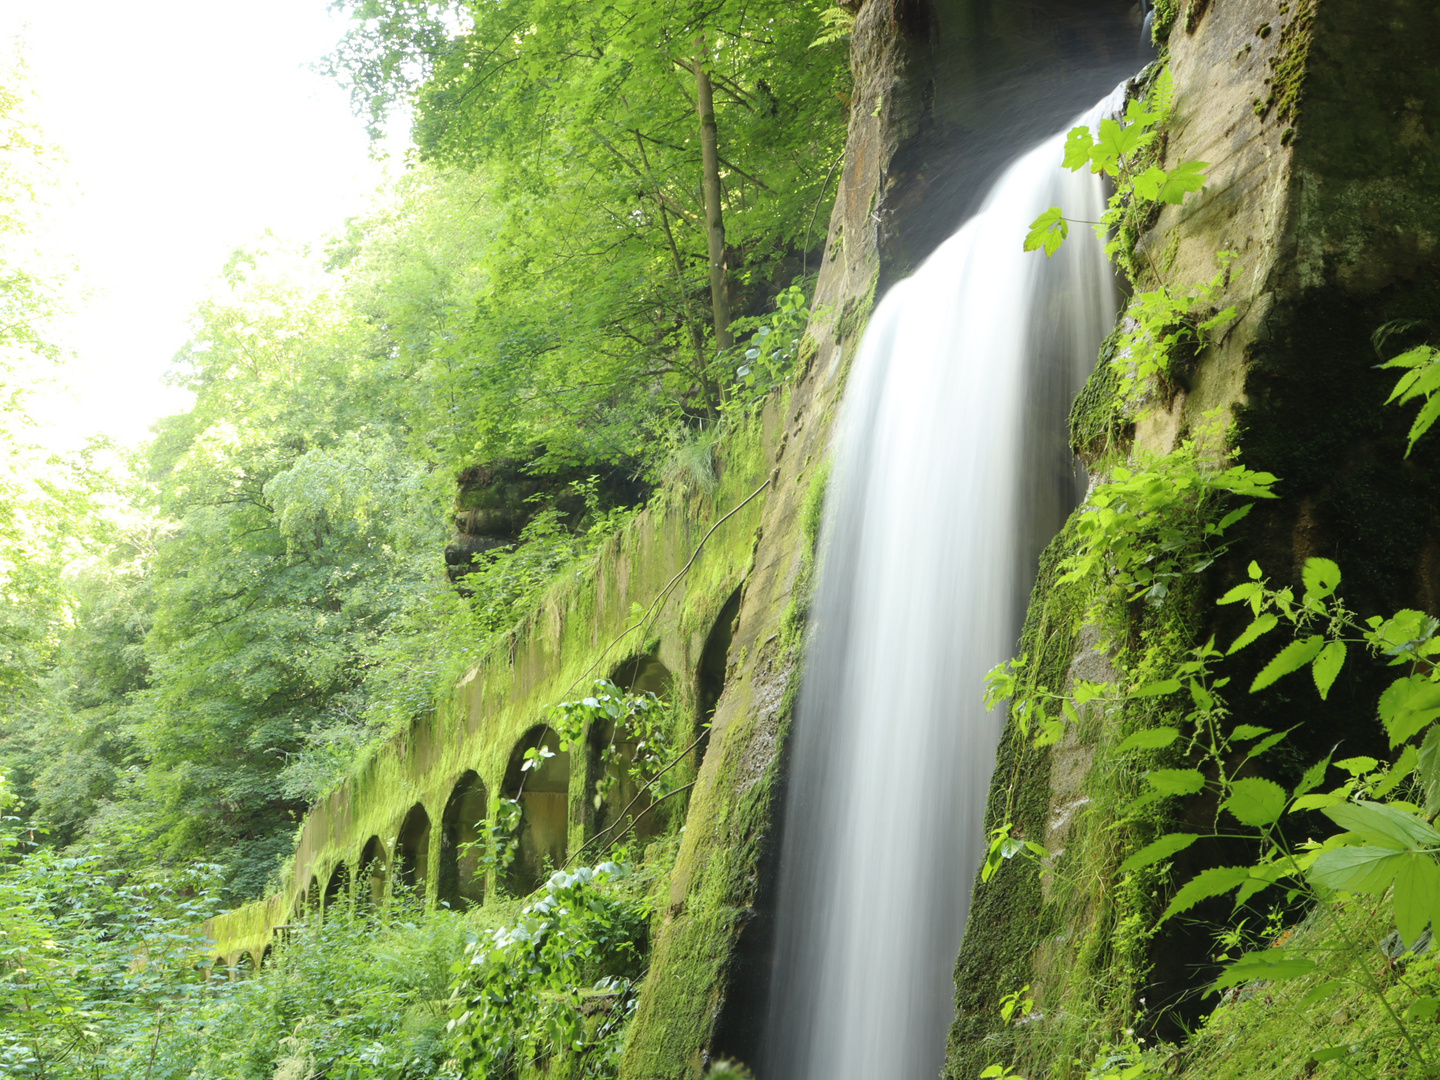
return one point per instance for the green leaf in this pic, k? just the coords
(1078, 144)
(1246, 590)
(1159, 851)
(1248, 731)
(1157, 689)
(1321, 578)
(1429, 769)
(1408, 705)
(1216, 881)
(1262, 625)
(1115, 142)
(1176, 781)
(1186, 177)
(1416, 897)
(1360, 868)
(1149, 739)
(1049, 231)
(1423, 1009)
(1149, 183)
(1272, 965)
(1291, 658)
(1256, 802)
(1385, 824)
(1327, 666)
(1314, 776)
(1424, 421)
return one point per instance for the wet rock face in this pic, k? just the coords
(977, 83)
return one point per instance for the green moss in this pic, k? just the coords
(1099, 426)
(1290, 65)
(797, 611)
(1166, 12)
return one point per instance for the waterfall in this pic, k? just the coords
(952, 471)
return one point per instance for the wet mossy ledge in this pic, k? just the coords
(650, 612)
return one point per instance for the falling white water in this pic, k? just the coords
(952, 471)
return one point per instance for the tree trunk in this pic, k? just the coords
(714, 219)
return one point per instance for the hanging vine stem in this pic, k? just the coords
(645, 617)
(662, 772)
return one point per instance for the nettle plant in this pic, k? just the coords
(560, 982)
(1164, 322)
(640, 746)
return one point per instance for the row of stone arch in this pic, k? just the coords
(544, 797)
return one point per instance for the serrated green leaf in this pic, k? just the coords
(1149, 183)
(1423, 1009)
(1359, 868)
(1327, 666)
(1078, 144)
(1248, 731)
(1246, 590)
(1416, 897)
(1215, 881)
(1160, 850)
(1180, 181)
(1408, 705)
(1176, 781)
(1385, 824)
(1149, 739)
(1262, 625)
(1321, 578)
(1256, 802)
(1314, 777)
(1429, 770)
(1291, 658)
(1424, 421)
(1049, 231)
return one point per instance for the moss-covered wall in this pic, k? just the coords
(586, 628)
(1319, 121)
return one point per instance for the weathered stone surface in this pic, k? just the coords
(1319, 121)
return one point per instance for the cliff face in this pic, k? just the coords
(1317, 119)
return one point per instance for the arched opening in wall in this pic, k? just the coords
(372, 875)
(710, 676)
(644, 675)
(461, 884)
(412, 850)
(544, 797)
(337, 890)
(266, 955)
(219, 969)
(312, 897)
(244, 965)
(615, 792)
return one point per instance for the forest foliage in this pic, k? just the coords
(204, 635)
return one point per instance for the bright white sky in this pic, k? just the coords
(190, 126)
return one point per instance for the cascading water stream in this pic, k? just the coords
(952, 471)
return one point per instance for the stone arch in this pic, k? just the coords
(644, 674)
(460, 883)
(638, 675)
(412, 850)
(544, 796)
(710, 675)
(337, 889)
(267, 954)
(219, 969)
(373, 875)
(244, 965)
(312, 897)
